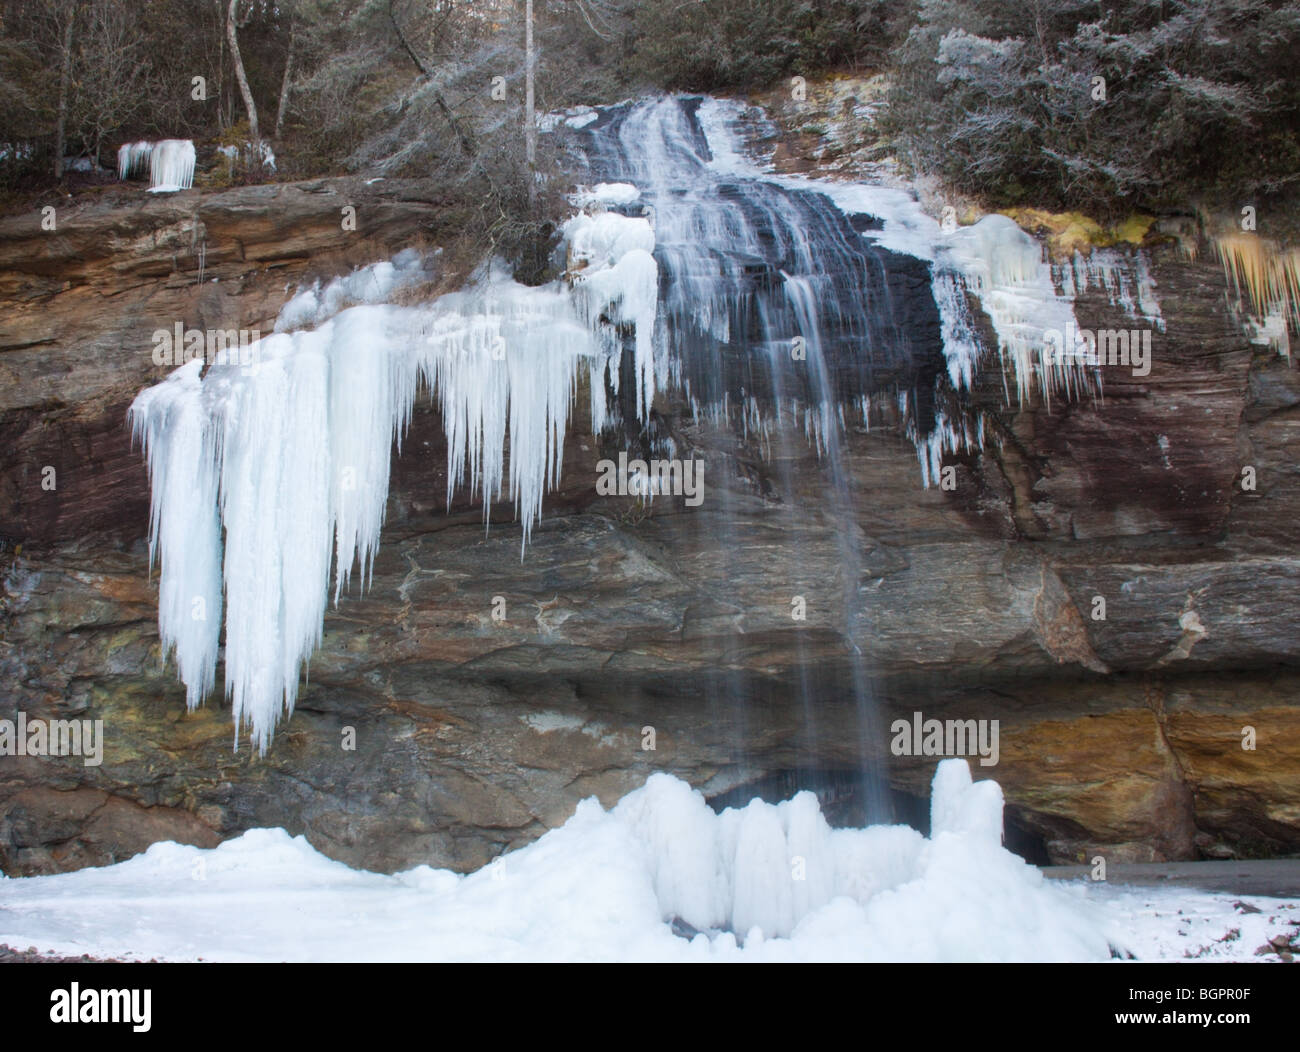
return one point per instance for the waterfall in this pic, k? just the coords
(750, 256)
(781, 301)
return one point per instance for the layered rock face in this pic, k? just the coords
(468, 699)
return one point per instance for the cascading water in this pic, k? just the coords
(773, 302)
(789, 303)
(750, 265)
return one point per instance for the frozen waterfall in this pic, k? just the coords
(787, 301)
(170, 163)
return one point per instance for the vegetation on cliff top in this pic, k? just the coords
(1099, 106)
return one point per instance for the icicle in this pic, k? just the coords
(173, 427)
(171, 163)
(1004, 267)
(503, 359)
(131, 158)
(1266, 280)
(1124, 277)
(171, 166)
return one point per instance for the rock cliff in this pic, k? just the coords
(1120, 737)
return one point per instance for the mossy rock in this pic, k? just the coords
(1069, 232)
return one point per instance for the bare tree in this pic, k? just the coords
(61, 18)
(221, 66)
(112, 80)
(530, 116)
(233, 36)
(286, 81)
(466, 143)
(600, 15)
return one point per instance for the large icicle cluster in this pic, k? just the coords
(170, 161)
(290, 456)
(503, 360)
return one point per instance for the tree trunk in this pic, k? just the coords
(530, 118)
(221, 68)
(65, 82)
(288, 72)
(240, 76)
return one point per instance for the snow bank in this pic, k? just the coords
(765, 882)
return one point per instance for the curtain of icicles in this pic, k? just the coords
(169, 163)
(288, 452)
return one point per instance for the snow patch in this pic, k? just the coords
(608, 194)
(546, 722)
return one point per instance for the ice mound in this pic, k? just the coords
(762, 882)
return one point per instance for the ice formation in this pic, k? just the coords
(290, 456)
(132, 158)
(170, 161)
(760, 883)
(246, 152)
(1125, 278)
(1265, 278)
(177, 437)
(373, 284)
(615, 272)
(503, 360)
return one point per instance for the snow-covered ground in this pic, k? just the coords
(606, 885)
(1178, 924)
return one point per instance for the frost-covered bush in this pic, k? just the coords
(1060, 102)
(713, 44)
